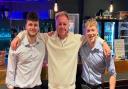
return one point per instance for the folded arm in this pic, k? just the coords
(17, 40)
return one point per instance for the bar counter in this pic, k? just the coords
(121, 69)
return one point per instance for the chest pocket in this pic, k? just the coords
(25, 55)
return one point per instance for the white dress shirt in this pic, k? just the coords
(25, 64)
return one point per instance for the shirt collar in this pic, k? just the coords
(97, 44)
(56, 35)
(26, 42)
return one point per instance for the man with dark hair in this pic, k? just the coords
(25, 64)
(32, 16)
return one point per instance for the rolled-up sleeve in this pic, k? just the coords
(111, 66)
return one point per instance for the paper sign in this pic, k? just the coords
(119, 48)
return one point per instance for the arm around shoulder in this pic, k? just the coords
(17, 40)
(22, 34)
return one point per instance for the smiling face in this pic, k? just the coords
(62, 25)
(91, 31)
(91, 34)
(32, 28)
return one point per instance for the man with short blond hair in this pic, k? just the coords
(94, 61)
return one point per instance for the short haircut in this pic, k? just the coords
(61, 13)
(32, 16)
(90, 22)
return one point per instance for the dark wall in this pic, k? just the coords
(92, 6)
(85, 7)
(121, 5)
(71, 6)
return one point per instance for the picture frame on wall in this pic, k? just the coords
(74, 22)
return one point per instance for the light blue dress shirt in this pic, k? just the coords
(94, 63)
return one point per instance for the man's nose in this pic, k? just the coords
(62, 26)
(90, 33)
(34, 26)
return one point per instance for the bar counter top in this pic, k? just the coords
(121, 69)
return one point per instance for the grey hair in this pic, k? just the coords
(62, 13)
